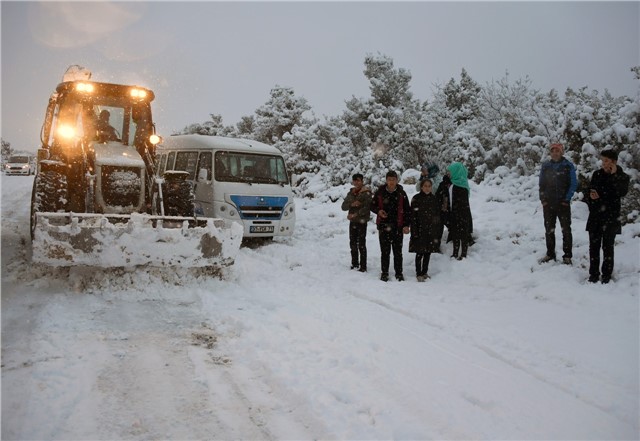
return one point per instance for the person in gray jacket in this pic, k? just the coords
(358, 204)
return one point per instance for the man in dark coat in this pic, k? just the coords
(391, 204)
(608, 185)
(557, 184)
(425, 228)
(104, 130)
(358, 204)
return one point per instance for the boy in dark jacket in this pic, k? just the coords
(358, 204)
(391, 204)
(557, 184)
(608, 186)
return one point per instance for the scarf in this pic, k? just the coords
(459, 175)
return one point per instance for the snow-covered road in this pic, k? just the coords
(294, 345)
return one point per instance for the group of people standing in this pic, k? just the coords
(608, 185)
(424, 218)
(430, 211)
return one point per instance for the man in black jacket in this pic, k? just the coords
(608, 185)
(391, 204)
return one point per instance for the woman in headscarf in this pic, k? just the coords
(459, 210)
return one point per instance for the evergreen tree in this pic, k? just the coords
(6, 149)
(215, 127)
(509, 125)
(246, 127)
(388, 122)
(462, 98)
(279, 115)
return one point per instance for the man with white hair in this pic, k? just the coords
(557, 184)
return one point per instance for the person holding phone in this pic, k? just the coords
(608, 186)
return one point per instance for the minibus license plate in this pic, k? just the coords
(261, 229)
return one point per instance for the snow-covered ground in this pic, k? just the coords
(294, 345)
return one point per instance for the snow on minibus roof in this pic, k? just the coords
(205, 142)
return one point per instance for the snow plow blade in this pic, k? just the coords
(64, 239)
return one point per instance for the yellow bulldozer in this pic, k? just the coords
(97, 199)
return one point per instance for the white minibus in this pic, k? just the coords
(237, 179)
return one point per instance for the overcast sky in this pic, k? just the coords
(224, 58)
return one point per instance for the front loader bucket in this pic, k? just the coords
(69, 239)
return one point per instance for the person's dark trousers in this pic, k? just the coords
(422, 263)
(391, 240)
(358, 244)
(605, 240)
(562, 213)
(456, 247)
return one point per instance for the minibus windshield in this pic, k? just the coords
(249, 167)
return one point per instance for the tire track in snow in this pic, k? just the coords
(465, 339)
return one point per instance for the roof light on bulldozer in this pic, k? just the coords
(138, 93)
(85, 87)
(154, 139)
(66, 131)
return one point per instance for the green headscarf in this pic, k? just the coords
(459, 175)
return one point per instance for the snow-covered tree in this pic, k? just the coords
(388, 122)
(509, 126)
(6, 150)
(215, 127)
(279, 115)
(246, 127)
(462, 98)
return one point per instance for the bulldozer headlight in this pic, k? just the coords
(138, 93)
(154, 139)
(66, 131)
(84, 87)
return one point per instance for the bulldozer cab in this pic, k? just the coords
(81, 114)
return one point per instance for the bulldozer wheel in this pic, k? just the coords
(178, 198)
(49, 194)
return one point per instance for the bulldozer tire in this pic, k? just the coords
(178, 198)
(49, 194)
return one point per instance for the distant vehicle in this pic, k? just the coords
(240, 180)
(20, 165)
